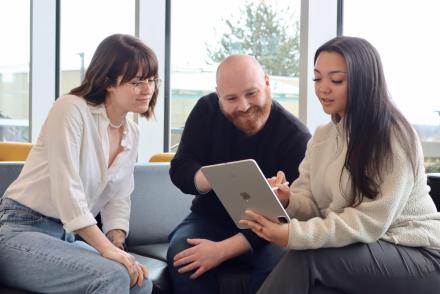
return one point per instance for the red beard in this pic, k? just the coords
(252, 120)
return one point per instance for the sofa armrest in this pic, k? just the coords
(9, 171)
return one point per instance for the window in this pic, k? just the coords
(84, 24)
(409, 47)
(196, 49)
(14, 70)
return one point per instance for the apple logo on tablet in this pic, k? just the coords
(245, 196)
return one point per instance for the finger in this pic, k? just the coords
(247, 222)
(281, 176)
(252, 215)
(133, 276)
(272, 181)
(198, 273)
(284, 188)
(249, 216)
(184, 253)
(192, 266)
(256, 217)
(194, 241)
(252, 225)
(184, 260)
(144, 270)
(258, 229)
(130, 263)
(140, 277)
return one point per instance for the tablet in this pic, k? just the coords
(241, 185)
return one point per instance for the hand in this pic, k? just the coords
(283, 191)
(137, 271)
(273, 232)
(203, 256)
(202, 184)
(117, 237)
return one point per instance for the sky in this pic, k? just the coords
(194, 28)
(405, 32)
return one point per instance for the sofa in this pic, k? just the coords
(157, 207)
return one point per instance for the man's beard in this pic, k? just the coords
(252, 120)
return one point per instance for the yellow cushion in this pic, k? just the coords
(14, 151)
(162, 157)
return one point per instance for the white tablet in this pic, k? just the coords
(241, 185)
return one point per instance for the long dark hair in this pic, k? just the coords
(371, 120)
(118, 55)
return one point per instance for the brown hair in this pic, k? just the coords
(118, 55)
(371, 119)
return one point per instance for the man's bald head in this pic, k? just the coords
(239, 65)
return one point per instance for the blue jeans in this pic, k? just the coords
(261, 261)
(37, 254)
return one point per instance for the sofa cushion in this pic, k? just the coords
(7, 290)
(9, 171)
(157, 206)
(157, 272)
(158, 251)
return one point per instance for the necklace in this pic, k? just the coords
(115, 126)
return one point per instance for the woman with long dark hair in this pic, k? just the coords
(81, 165)
(362, 218)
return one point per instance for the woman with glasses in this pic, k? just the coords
(362, 219)
(81, 165)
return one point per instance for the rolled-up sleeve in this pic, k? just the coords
(63, 138)
(116, 213)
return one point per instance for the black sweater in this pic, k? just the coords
(210, 138)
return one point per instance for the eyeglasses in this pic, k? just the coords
(141, 85)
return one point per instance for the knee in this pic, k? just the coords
(176, 246)
(269, 256)
(299, 258)
(294, 255)
(113, 277)
(146, 288)
(118, 275)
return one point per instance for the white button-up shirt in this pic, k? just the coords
(66, 175)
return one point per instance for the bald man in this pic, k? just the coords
(239, 121)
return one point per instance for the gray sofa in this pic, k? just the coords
(157, 207)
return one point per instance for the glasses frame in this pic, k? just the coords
(140, 85)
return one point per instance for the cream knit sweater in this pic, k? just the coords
(403, 213)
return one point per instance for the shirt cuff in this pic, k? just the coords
(80, 222)
(119, 223)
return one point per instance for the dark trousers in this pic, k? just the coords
(379, 267)
(261, 261)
